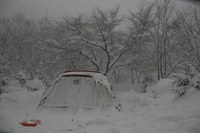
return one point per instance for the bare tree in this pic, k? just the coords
(141, 23)
(22, 35)
(103, 45)
(163, 33)
(59, 48)
(189, 31)
(5, 62)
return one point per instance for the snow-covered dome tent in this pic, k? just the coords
(76, 90)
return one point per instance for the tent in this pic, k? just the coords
(76, 90)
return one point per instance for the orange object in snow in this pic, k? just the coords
(30, 123)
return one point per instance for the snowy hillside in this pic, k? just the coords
(156, 111)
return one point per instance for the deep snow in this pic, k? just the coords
(156, 111)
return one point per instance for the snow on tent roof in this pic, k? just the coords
(97, 76)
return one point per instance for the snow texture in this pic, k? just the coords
(142, 113)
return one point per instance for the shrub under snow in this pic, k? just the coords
(183, 82)
(34, 85)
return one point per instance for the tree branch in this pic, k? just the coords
(93, 44)
(114, 62)
(93, 62)
(52, 44)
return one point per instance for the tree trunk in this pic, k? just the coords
(158, 61)
(116, 77)
(138, 77)
(132, 77)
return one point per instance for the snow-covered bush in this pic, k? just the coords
(148, 80)
(180, 91)
(182, 82)
(196, 81)
(31, 85)
(1, 90)
(185, 81)
(34, 85)
(162, 87)
(21, 77)
(3, 84)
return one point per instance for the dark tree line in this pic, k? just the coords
(158, 39)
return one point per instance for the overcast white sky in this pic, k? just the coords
(59, 8)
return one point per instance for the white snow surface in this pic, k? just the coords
(142, 113)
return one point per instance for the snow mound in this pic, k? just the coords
(131, 100)
(162, 87)
(16, 97)
(35, 84)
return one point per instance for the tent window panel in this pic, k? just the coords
(73, 91)
(49, 89)
(83, 92)
(52, 99)
(58, 93)
(105, 95)
(62, 90)
(87, 94)
(46, 94)
(94, 94)
(51, 96)
(98, 98)
(64, 93)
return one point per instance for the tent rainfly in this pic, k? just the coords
(76, 90)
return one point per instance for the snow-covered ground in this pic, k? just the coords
(157, 111)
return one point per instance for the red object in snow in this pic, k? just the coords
(30, 123)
